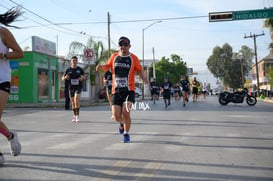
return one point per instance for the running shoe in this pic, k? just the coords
(184, 105)
(74, 119)
(126, 138)
(77, 118)
(14, 144)
(121, 128)
(2, 159)
(112, 117)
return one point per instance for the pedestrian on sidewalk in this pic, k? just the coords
(8, 42)
(75, 75)
(123, 64)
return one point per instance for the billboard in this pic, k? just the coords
(43, 46)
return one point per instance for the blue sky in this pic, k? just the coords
(192, 39)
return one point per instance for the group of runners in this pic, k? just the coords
(181, 89)
(119, 78)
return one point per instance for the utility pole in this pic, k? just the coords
(154, 63)
(256, 59)
(109, 40)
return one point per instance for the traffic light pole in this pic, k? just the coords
(256, 59)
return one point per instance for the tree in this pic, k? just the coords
(173, 68)
(268, 23)
(226, 65)
(245, 56)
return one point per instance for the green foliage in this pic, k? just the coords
(268, 23)
(226, 65)
(173, 68)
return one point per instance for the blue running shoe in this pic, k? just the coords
(121, 128)
(126, 138)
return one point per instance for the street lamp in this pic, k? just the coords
(143, 51)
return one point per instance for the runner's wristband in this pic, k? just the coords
(5, 57)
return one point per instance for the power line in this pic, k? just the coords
(51, 23)
(130, 21)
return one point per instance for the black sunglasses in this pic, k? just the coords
(123, 44)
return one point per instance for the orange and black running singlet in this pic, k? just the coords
(123, 71)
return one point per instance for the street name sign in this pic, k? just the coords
(241, 15)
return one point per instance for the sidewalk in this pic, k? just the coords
(269, 100)
(54, 104)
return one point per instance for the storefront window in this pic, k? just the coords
(43, 85)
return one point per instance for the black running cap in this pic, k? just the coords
(124, 39)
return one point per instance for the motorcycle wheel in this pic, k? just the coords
(222, 101)
(251, 100)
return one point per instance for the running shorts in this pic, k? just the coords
(166, 95)
(194, 90)
(121, 97)
(75, 90)
(5, 86)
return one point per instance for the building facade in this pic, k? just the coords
(263, 66)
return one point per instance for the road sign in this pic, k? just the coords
(241, 15)
(89, 54)
(253, 14)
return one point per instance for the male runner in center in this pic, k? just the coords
(123, 64)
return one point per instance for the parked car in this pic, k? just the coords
(138, 92)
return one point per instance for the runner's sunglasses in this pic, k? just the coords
(123, 44)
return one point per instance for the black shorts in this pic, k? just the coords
(5, 86)
(121, 97)
(154, 91)
(185, 89)
(194, 90)
(74, 90)
(166, 95)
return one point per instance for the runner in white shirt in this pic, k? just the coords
(8, 42)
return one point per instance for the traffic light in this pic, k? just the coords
(222, 16)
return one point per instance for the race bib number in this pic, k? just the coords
(166, 87)
(109, 82)
(121, 82)
(74, 82)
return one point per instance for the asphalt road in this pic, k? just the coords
(203, 141)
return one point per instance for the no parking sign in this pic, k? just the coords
(89, 55)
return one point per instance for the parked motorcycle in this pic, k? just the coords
(237, 97)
